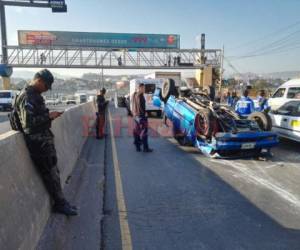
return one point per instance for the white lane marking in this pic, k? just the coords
(122, 211)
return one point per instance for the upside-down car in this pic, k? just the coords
(213, 128)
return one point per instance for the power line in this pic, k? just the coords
(283, 43)
(266, 36)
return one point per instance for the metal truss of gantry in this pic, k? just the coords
(82, 57)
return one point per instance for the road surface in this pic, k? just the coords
(176, 198)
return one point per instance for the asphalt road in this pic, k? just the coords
(4, 124)
(176, 198)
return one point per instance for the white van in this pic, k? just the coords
(150, 86)
(81, 98)
(6, 99)
(288, 91)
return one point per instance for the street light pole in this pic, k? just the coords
(3, 34)
(102, 79)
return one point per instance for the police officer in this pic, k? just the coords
(245, 105)
(36, 123)
(100, 122)
(140, 131)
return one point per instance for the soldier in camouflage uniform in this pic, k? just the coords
(36, 123)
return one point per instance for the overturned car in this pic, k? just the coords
(213, 128)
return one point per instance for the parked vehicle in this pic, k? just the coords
(81, 98)
(70, 99)
(6, 99)
(288, 91)
(213, 128)
(176, 76)
(50, 101)
(150, 86)
(286, 120)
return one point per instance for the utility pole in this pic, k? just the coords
(55, 5)
(102, 79)
(202, 59)
(3, 33)
(221, 70)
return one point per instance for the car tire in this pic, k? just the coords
(168, 89)
(205, 123)
(263, 120)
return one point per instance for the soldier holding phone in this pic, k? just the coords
(35, 121)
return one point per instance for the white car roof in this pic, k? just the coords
(291, 83)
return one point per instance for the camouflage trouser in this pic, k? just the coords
(43, 154)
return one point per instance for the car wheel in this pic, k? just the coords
(204, 123)
(263, 120)
(180, 138)
(168, 89)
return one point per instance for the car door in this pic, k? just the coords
(286, 120)
(278, 99)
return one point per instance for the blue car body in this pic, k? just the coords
(222, 144)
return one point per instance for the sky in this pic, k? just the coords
(266, 30)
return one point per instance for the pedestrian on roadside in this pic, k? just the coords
(234, 100)
(245, 105)
(174, 61)
(228, 99)
(120, 61)
(35, 120)
(262, 101)
(178, 60)
(43, 58)
(212, 92)
(100, 121)
(140, 131)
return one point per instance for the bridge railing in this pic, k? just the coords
(72, 57)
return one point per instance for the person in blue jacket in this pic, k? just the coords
(245, 105)
(228, 99)
(262, 102)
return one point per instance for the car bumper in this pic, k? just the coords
(287, 133)
(247, 143)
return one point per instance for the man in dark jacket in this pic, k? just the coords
(140, 131)
(36, 123)
(100, 122)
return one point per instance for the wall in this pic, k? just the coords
(25, 205)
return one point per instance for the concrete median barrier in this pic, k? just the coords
(25, 204)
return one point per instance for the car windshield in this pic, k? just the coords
(279, 93)
(149, 88)
(290, 108)
(5, 95)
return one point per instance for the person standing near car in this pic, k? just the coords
(100, 121)
(262, 101)
(140, 131)
(234, 99)
(35, 121)
(245, 105)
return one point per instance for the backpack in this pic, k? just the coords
(14, 118)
